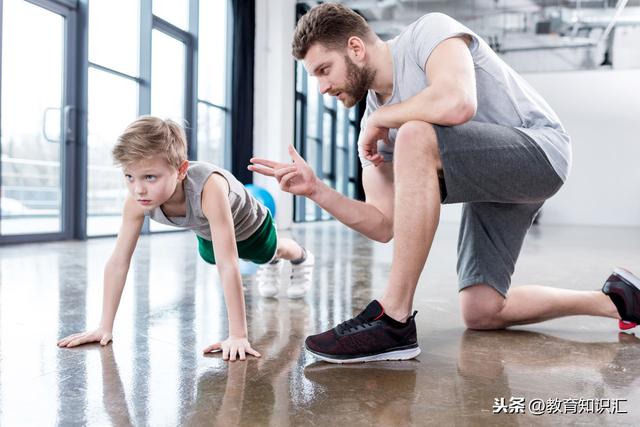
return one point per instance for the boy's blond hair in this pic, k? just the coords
(149, 136)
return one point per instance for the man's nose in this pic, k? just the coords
(324, 87)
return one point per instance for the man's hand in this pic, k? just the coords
(373, 132)
(296, 178)
(98, 335)
(232, 347)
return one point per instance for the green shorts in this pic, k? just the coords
(259, 248)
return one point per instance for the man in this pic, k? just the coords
(446, 121)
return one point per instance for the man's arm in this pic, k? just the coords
(215, 206)
(373, 218)
(450, 99)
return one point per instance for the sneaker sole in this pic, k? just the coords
(631, 280)
(297, 296)
(406, 354)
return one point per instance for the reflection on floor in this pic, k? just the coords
(154, 373)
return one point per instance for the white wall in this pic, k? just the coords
(601, 112)
(274, 94)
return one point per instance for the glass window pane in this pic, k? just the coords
(300, 72)
(113, 105)
(212, 52)
(32, 101)
(340, 170)
(312, 156)
(341, 126)
(167, 86)
(352, 144)
(352, 113)
(174, 11)
(312, 107)
(329, 101)
(327, 137)
(114, 34)
(167, 77)
(211, 134)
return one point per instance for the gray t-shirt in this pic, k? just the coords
(248, 214)
(503, 96)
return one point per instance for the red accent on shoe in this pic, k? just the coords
(625, 325)
(381, 314)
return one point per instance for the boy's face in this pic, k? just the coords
(337, 74)
(151, 182)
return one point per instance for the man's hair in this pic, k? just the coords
(331, 25)
(149, 136)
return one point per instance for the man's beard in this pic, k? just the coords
(358, 82)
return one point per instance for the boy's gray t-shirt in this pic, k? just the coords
(503, 96)
(248, 215)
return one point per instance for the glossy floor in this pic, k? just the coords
(154, 373)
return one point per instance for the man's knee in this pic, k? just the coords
(481, 307)
(417, 135)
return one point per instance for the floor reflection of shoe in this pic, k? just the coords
(623, 287)
(623, 370)
(370, 336)
(301, 276)
(268, 278)
(399, 373)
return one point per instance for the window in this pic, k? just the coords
(155, 75)
(326, 135)
(213, 66)
(33, 109)
(112, 96)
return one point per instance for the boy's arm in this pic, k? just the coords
(215, 206)
(115, 275)
(117, 267)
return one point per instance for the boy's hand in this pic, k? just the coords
(296, 178)
(232, 347)
(98, 335)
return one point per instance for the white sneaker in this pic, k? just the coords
(301, 277)
(268, 278)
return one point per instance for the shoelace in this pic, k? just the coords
(269, 270)
(300, 272)
(352, 325)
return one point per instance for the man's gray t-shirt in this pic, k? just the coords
(503, 96)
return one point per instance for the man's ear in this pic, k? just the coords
(182, 170)
(356, 48)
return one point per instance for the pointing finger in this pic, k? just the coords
(261, 170)
(266, 162)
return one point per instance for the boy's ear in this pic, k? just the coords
(182, 170)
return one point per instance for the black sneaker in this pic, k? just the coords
(624, 290)
(370, 336)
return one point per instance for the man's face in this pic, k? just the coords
(338, 75)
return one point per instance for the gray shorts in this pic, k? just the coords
(503, 178)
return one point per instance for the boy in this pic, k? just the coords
(204, 198)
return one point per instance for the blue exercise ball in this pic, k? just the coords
(263, 196)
